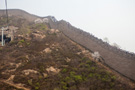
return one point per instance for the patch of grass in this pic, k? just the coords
(74, 76)
(64, 85)
(93, 68)
(106, 78)
(64, 70)
(113, 77)
(78, 78)
(21, 41)
(72, 73)
(73, 88)
(13, 43)
(82, 65)
(22, 58)
(40, 77)
(98, 76)
(56, 88)
(112, 84)
(36, 88)
(91, 75)
(89, 62)
(41, 26)
(75, 69)
(69, 80)
(0, 49)
(28, 43)
(84, 59)
(41, 68)
(35, 85)
(30, 82)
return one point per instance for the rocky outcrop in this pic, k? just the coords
(47, 50)
(29, 71)
(53, 70)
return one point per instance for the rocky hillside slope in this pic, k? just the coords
(42, 58)
(19, 13)
(48, 60)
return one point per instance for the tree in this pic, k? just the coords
(106, 40)
(116, 45)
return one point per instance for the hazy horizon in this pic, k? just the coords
(114, 19)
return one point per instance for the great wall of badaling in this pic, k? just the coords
(119, 60)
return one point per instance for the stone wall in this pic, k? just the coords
(117, 59)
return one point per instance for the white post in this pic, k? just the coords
(2, 37)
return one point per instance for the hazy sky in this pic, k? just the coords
(114, 19)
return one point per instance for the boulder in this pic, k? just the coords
(68, 60)
(11, 78)
(37, 36)
(28, 71)
(47, 50)
(52, 69)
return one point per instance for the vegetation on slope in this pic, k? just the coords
(52, 63)
(44, 59)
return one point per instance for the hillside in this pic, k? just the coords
(43, 56)
(19, 13)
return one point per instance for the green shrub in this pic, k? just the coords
(72, 73)
(91, 75)
(36, 88)
(81, 65)
(21, 41)
(41, 26)
(0, 49)
(64, 70)
(89, 62)
(113, 77)
(56, 88)
(78, 78)
(30, 82)
(93, 68)
(67, 78)
(28, 43)
(64, 85)
(112, 84)
(13, 42)
(84, 58)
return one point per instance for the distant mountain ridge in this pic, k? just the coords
(18, 12)
(119, 60)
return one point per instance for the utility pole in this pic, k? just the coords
(2, 37)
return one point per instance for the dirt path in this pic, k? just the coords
(14, 85)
